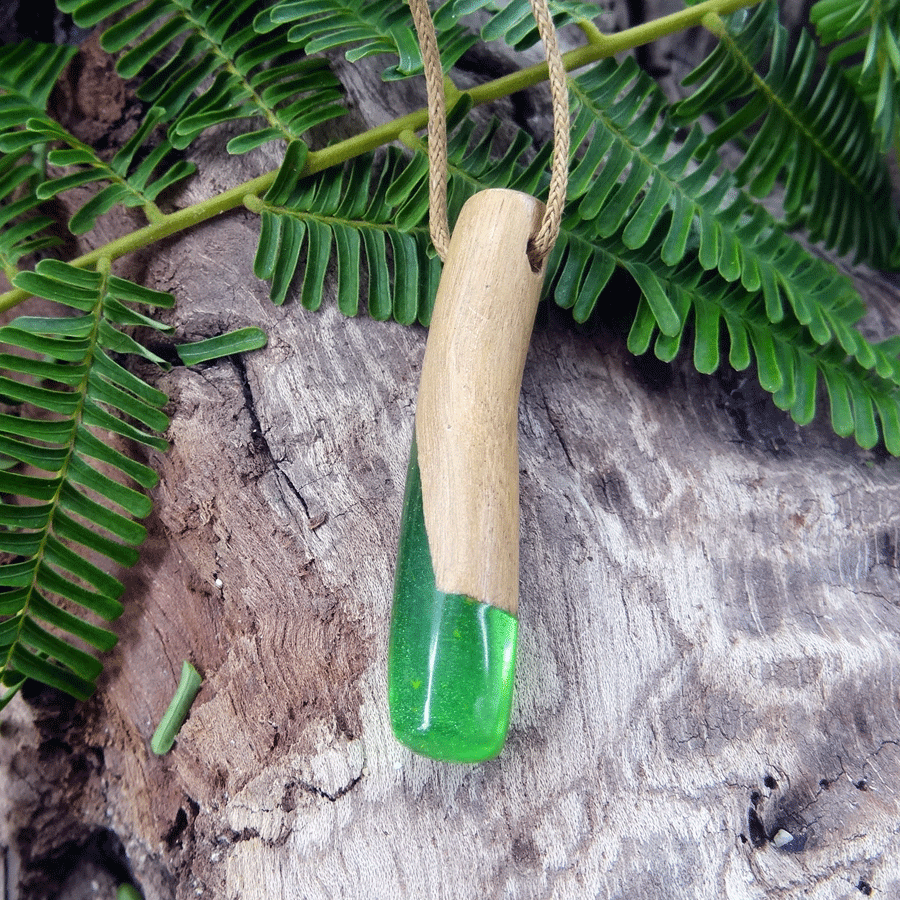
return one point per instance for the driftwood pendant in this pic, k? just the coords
(454, 627)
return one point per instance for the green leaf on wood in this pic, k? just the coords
(239, 341)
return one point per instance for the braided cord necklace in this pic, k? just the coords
(454, 623)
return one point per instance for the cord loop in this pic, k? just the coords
(541, 244)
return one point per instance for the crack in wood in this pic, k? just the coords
(332, 798)
(557, 432)
(262, 446)
(287, 806)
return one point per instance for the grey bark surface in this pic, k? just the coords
(709, 621)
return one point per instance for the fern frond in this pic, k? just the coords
(790, 363)
(633, 176)
(72, 509)
(814, 134)
(513, 22)
(128, 179)
(28, 72)
(703, 256)
(868, 36)
(220, 69)
(357, 215)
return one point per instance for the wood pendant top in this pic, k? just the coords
(467, 413)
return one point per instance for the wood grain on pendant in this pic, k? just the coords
(467, 413)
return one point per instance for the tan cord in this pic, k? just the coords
(542, 243)
(437, 127)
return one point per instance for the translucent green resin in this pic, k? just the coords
(451, 660)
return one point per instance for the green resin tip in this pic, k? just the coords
(451, 659)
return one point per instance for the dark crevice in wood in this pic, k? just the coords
(177, 829)
(758, 837)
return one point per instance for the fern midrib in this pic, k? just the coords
(271, 115)
(77, 417)
(151, 210)
(330, 220)
(713, 23)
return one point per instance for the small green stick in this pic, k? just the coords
(174, 716)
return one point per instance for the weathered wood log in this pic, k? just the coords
(707, 701)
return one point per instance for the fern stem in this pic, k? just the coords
(169, 224)
(594, 36)
(599, 46)
(336, 154)
(153, 213)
